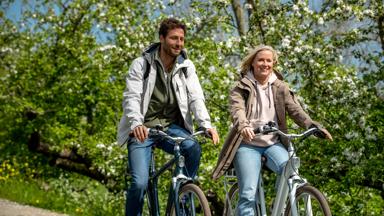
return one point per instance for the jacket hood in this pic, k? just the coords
(271, 79)
(148, 53)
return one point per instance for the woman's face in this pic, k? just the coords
(262, 65)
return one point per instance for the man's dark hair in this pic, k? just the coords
(169, 24)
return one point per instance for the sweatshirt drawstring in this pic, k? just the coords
(258, 99)
(269, 94)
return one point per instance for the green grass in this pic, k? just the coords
(30, 193)
(93, 200)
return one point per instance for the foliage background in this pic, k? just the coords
(62, 71)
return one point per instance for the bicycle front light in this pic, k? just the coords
(181, 161)
(296, 162)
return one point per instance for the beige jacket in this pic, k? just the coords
(242, 101)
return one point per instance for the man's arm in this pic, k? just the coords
(133, 94)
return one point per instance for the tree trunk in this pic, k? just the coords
(239, 15)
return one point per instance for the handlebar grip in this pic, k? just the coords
(270, 127)
(205, 130)
(257, 130)
(319, 133)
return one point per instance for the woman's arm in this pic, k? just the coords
(238, 111)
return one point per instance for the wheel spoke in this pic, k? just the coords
(191, 202)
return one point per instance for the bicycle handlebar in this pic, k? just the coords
(158, 131)
(270, 127)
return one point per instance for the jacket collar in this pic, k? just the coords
(246, 83)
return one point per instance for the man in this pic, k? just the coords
(161, 88)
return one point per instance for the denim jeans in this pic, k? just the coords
(139, 155)
(247, 163)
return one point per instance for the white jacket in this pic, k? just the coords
(138, 92)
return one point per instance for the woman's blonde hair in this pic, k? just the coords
(246, 63)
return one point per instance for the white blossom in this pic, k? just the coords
(212, 68)
(197, 20)
(371, 137)
(348, 9)
(351, 135)
(353, 156)
(100, 145)
(368, 12)
(107, 47)
(285, 42)
(209, 168)
(380, 89)
(320, 21)
(297, 49)
(229, 43)
(248, 6)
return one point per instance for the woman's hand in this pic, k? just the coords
(327, 135)
(248, 134)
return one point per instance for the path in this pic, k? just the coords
(9, 208)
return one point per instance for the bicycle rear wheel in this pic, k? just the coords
(232, 200)
(192, 201)
(309, 202)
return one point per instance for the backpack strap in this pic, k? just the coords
(147, 69)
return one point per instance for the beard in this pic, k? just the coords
(171, 50)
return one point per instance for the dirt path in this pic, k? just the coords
(8, 208)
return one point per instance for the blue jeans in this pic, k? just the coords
(247, 163)
(139, 155)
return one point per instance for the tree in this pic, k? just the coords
(63, 66)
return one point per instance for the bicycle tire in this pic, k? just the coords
(191, 195)
(319, 203)
(230, 206)
(231, 202)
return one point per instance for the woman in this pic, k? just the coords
(259, 97)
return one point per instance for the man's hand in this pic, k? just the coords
(248, 134)
(140, 132)
(214, 135)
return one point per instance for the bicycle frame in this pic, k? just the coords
(178, 179)
(288, 183)
(290, 179)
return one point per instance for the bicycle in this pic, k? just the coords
(295, 196)
(184, 197)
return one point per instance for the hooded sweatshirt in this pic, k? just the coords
(264, 110)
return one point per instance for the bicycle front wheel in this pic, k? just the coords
(192, 201)
(309, 201)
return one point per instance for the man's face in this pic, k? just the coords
(173, 43)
